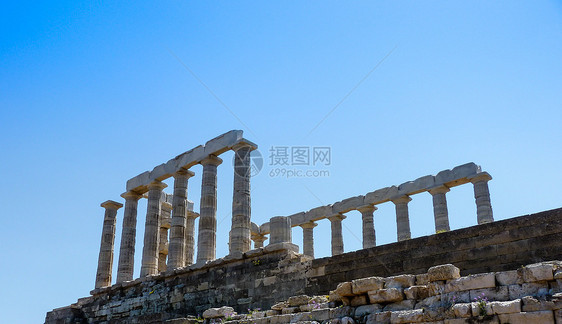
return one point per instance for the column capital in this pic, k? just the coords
(336, 217)
(110, 204)
(308, 225)
(183, 173)
(157, 185)
(212, 160)
(258, 237)
(402, 200)
(366, 209)
(244, 143)
(131, 195)
(192, 214)
(482, 176)
(439, 190)
(166, 206)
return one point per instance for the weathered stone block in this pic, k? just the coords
(298, 300)
(385, 295)
(380, 195)
(364, 285)
(348, 204)
(344, 289)
(218, 312)
(462, 310)
(340, 312)
(543, 317)
(320, 314)
(416, 292)
(359, 300)
(531, 304)
(422, 279)
(401, 305)
(407, 316)
(506, 307)
(402, 281)
(498, 293)
(379, 318)
(477, 281)
(507, 278)
(537, 272)
(279, 306)
(289, 310)
(527, 289)
(443, 272)
(367, 309)
(481, 309)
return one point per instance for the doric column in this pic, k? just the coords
(176, 255)
(369, 236)
(402, 218)
(337, 237)
(482, 196)
(258, 240)
(280, 230)
(440, 212)
(190, 237)
(207, 242)
(165, 223)
(151, 228)
(241, 203)
(128, 237)
(105, 260)
(308, 238)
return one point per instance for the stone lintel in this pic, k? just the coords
(348, 204)
(110, 204)
(244, 143)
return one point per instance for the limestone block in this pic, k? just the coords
(436, 288)
(348, 204)
(543, 317)
(378, 318)
(139, 181)
(318, 213)
(280, 306)
(385, 295)
(298, 218)
(381, 195)
(340, 312)
(272, 312)
(416, 292)
(218, 312)
(477, 281)
(301, 317)
(465, 170)
(367, 309)
(507, 278)
(161, 172)
(407, 316)
(190, 158)
(344, 289)
(318, 300)
(462, 310)
(359, 300)
(527, 289)
(506, 307)
(537, 272)
(364, 285)
(428, 302)
(423, 183)
(399, 306)
(333, 296)
(320, 314)
(422, 279)
(280, 319)
(298, 300)
(224, 142)
(443, 272)
(402, 281)
(532, 304)
(289, 310)
(458, 297)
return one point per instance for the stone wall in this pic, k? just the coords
(262, 277)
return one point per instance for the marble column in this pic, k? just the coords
(440, 212)
(241, 203)
(207, 236)
(176, 255)
(482, 196)
(280, 228)
(258, 240)
(190, 237)
(151, 228)
(308, 238)
(337, 237)
(369, 236)
(128, 237)
(402, 218)
(165, 224)
(105, 260)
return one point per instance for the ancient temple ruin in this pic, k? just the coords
(179, 279)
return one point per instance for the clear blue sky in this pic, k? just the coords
(93, 94)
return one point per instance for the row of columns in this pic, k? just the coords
(163, 219)
(441, 216)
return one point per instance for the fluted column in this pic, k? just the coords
(190, 237)
(105, 260)
(482, 197)
(176, 251)
(258, 240)
(369, 236)
(126, 264)
(337, 237)
(165, 223)
(151, 228)
(207, 237)
(308, 238)
(241, 202)
(402, 218)
(440, 212)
